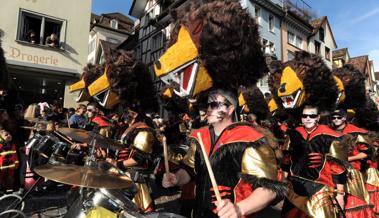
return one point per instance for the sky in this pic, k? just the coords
(355, 23)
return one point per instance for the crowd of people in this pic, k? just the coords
(232, 151)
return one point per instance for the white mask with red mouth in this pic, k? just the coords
(218, 109)
(310, 117)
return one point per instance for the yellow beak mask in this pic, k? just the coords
(101, 91)
(80, 88)
(341, 90)
(181, 68)
(291, 90)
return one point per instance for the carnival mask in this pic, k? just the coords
(291, 90)
(101, 91)
(80, 88)
(181, 68)
(341, 90)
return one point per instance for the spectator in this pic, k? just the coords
(31, 36)
(78, 119)
(71, 111)
(52, 40)
(8, 161)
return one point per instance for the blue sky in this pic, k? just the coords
(355, 23)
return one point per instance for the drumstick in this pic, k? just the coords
(64, 137)
(165, 154)
(209, 168)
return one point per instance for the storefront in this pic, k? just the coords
(37, 84)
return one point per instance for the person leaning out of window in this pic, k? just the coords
(52, 41)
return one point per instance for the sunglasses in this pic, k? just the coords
(90, 110)
(312, 116)
(336, 118)
(216, 104)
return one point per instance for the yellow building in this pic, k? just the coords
(42, 65)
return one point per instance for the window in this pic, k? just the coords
(321, 34)
(291, 38)
(271, 48)
(40, 29)
(317, 48)
(327, 53)
(157, 41)
(299, 42)
(290, 55)
(271, 23)
(295, 40)
(114, 24)
(268, 47)
(257, 14)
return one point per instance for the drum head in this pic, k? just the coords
(164, 215)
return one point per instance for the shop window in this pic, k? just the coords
(40, 29)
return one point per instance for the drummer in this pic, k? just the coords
(142, 147)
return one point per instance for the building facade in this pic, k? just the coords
(45, 48)
(295, 32)
(107, 31)
(322, 41)
(340, 57)
(269, 15)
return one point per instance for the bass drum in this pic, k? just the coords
(163, 215)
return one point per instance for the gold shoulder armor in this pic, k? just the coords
(105, 131)
(189, 158)
(338, 151)
(260, 162)
(362, 139)
(143, 141)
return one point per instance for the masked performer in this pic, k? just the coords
(361, 158)
(315, 163)
(222, 49)
(128, 82)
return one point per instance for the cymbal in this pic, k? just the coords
(84, 136)
(36, 120)
(30, 127)
(84, 176)
(38, 129)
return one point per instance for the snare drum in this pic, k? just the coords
(46, 147)
(40, 152)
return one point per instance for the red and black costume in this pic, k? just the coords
(313, 180)
(8, 164)
(143, 146)
(367, 166)
(100, 125)
(241, 160)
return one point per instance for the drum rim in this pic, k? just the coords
(108, 194)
